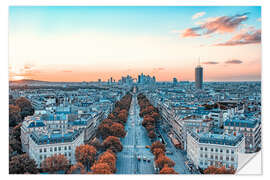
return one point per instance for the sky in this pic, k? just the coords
(90, 43)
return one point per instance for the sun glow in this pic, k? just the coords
(16, 78)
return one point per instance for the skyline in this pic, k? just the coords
(90, 43)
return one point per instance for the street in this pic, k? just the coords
(134, 146)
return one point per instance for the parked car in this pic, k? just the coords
(169, 152)
(144, 158)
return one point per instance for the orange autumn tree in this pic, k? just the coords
(218, 170)
(101, 168)
(85, 154)
(118, 130)
(162, 160)
(78, 168)
(109, 158)
(158, 144)
(54, 163)
(152, 134)
(113, 143)
(158, 152)
(167, 170)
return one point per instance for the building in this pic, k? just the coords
(199, 77)
(29, 125)
(250, 128)
(175, 81)
(206, 149)
(45, 144)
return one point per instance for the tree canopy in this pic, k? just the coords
(54, 163)
(85, 154)
(22, 164)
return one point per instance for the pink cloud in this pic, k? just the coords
(243, 38)
(222, 24)
(190, 32)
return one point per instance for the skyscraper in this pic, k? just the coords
(199, 77)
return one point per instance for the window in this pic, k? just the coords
(69, 154)
(205, 155)
(221, 158)
(65, 154)
(227, 151)
(45, 156)
(211, 157)
(201, 148)
(232, 151)
(201, 155)
(212, 149)
(40, 157)
(216, 150)
(55, 148)
(216, 157)
(59, 148)
(51, 149)
(65, 147)
(45, 150)
(205, 148)
(69, 147)
(232, 158)
(221, 150)
(227, 158)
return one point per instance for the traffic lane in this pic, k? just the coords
(177, 155)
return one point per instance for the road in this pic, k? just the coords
(134, 145)
(178, 156)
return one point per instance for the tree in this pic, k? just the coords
(218, 170)
(113, 143)
(162, 160)
(157, 152)
(109, 158)
(155, 115)
(104, 130)
(148, 120)
(25, 106)
(152, 134)
(85, 154)
(15, 140)
(101, 168)
(149, 127)
(78, 168)
(210, 170)
(111, 116)
(21, 164)
(14, 115)
(118, 130)
(54, 163)
(167, 170)
(96, 143)
(158, 144)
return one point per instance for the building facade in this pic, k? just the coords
(205, 149)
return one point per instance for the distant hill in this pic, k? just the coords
(27, 81)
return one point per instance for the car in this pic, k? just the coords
(169, 152)
(144, 158)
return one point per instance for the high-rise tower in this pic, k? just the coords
(199, 76)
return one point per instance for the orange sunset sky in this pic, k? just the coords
(88, 43)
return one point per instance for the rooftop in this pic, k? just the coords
(54, 137)
(222, 139)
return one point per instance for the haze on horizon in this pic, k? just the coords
(91, 43)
